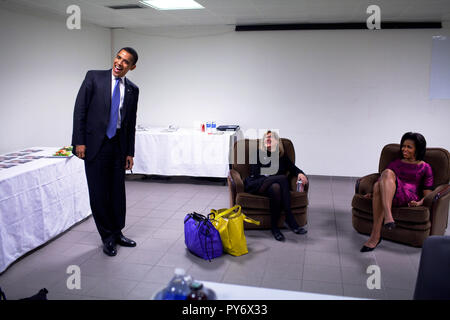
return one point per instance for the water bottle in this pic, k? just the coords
(196, 292)
(178, 287)
(300, 186)
(213, 126)
(189, 280)
(208, 126)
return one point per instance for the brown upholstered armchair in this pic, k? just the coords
(414, 224)
(255, 206)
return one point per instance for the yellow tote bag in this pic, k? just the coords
(230, 223)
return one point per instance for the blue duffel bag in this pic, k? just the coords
(201, 237)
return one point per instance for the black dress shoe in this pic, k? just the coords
(109, 248)
(368, 249)
(125, 242)
(278, 235)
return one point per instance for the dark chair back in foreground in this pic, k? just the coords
(433, 280)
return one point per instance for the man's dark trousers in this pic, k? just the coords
(106, 180)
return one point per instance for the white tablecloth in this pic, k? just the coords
(39, 200)
(185, 152)
(226, 291)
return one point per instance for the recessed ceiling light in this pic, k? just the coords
(172, 4)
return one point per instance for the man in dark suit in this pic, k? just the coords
(104, 124)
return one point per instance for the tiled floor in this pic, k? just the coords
(325, 260)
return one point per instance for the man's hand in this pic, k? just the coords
(129, 163)
(80, 151)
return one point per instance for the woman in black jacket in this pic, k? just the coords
(270, 180)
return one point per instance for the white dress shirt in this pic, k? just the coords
(122, 94)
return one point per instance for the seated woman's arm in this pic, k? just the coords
(428, 182)
(420, 202)
(255, 170)
(294, 170)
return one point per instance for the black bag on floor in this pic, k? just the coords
(41, 295)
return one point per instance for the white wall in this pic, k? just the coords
(42, 67)
(339, 95)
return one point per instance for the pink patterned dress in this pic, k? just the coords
(412, 179)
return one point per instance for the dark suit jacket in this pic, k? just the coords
(92, 111)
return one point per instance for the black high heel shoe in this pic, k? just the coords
(389, 225)
(368, 249)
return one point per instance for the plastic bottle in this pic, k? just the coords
(196, 292)
(208, 127)
(213, 127)
(178, 288)
(188, 279)
(300, 186)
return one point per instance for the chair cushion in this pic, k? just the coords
(407, 214)
(247, 200)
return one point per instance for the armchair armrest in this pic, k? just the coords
(438, 202)
(436, 194)
(365, 184)
(235, 185)
(236, 181)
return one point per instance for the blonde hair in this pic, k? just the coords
(274, 136)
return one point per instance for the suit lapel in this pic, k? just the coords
(126, 99)
(107, 93)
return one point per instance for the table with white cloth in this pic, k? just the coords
(226, 291)
(39, 200)
(184, 152)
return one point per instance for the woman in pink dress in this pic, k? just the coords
(404, 182)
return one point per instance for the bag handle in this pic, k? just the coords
(215, 214)
(225, 212)
(196, 216)
(250, 220)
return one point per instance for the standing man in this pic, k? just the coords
(103, 136)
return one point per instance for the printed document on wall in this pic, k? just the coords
(440, 68)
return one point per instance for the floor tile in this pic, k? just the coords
(143, 256)
(363, 292)
(329, 288)
(322, 273)
(282, 283)
(160, 274)
(116, 289)
(322, 258)
(144, 291)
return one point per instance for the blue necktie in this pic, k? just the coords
(115, 102)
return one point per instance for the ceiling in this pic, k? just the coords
(243, 12)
